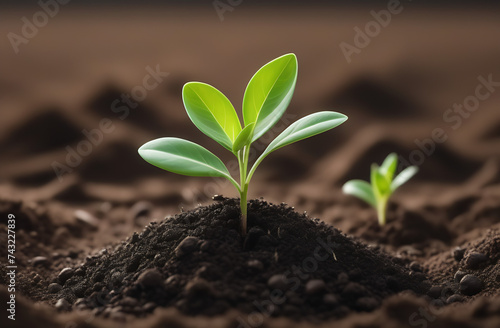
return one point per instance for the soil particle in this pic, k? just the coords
(186, 246)
(54, 288)
(315, 286)
(353, 289)
(278, 281)
(172, 280)
(79, 271)
(435, 292)
(40, 261)
(199, 286)
(470, 285)
(458, 253)
(128, 302)
(255, 264)
(218, 198)
(65, 274)
(459, 275)
(455, 298)
(63, 305)
(150, 278)
(149, 307)
(86, 219)
(475, 260)
(80, 304)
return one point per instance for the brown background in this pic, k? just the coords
(395, 91)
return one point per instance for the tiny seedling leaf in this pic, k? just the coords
(243, 139)
(382, 185)
(388, 167)
(183, 157)
(379, 183)
(268, 93)
(306, 127)
(360, 189)
(403, 177)
(211, 112)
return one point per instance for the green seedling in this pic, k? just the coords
(265, 100)
(383, 184)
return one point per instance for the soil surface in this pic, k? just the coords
(114, 241)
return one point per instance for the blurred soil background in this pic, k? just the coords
(95, 82)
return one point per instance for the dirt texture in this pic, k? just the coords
(287, 265)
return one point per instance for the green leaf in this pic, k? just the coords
(211, 112)
(381, 186)
(388, 167)
(360, 189)
(306, 127)
(403, 177)
(268, 93)
(244, 138)
(183, 157)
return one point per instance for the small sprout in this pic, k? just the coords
(383, 185)
(265, 100)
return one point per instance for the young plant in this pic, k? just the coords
(383, 185)
(265, 100)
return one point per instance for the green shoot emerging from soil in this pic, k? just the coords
(383, 185)
(265, 100)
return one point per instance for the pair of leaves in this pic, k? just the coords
(266, 98)
(383, 182)
(187, 158)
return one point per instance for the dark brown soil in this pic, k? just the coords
(287, 265)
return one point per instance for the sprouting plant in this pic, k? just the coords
(383, 184)
(265, 100)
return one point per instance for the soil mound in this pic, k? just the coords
(287, 265)
(40, 133)
(373, 96)
(111, 101)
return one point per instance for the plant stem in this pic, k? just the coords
(381, 211)
(243, 155)
(243, 206)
